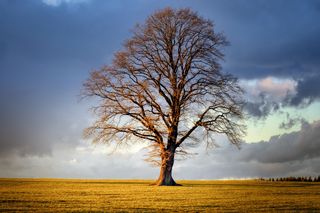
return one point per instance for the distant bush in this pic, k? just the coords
(296, 179)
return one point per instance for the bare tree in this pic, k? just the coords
(165, 87)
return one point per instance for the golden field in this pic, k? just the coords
(45, 195)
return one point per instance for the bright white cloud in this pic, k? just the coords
(279, 88)
(56, 3)
(275, 89)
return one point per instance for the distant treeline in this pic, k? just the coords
(298, 179)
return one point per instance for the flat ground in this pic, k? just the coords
(43, 195)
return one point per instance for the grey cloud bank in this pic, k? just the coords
(296, 153)
(295, 146)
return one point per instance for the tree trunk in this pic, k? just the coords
(165, 177)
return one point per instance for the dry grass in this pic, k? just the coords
(43, 195)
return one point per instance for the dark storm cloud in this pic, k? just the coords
(277, 38)
(308, 91)
(295, 146)
(274, 38)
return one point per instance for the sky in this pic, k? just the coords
(48, 48)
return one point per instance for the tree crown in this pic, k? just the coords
(166, 84)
